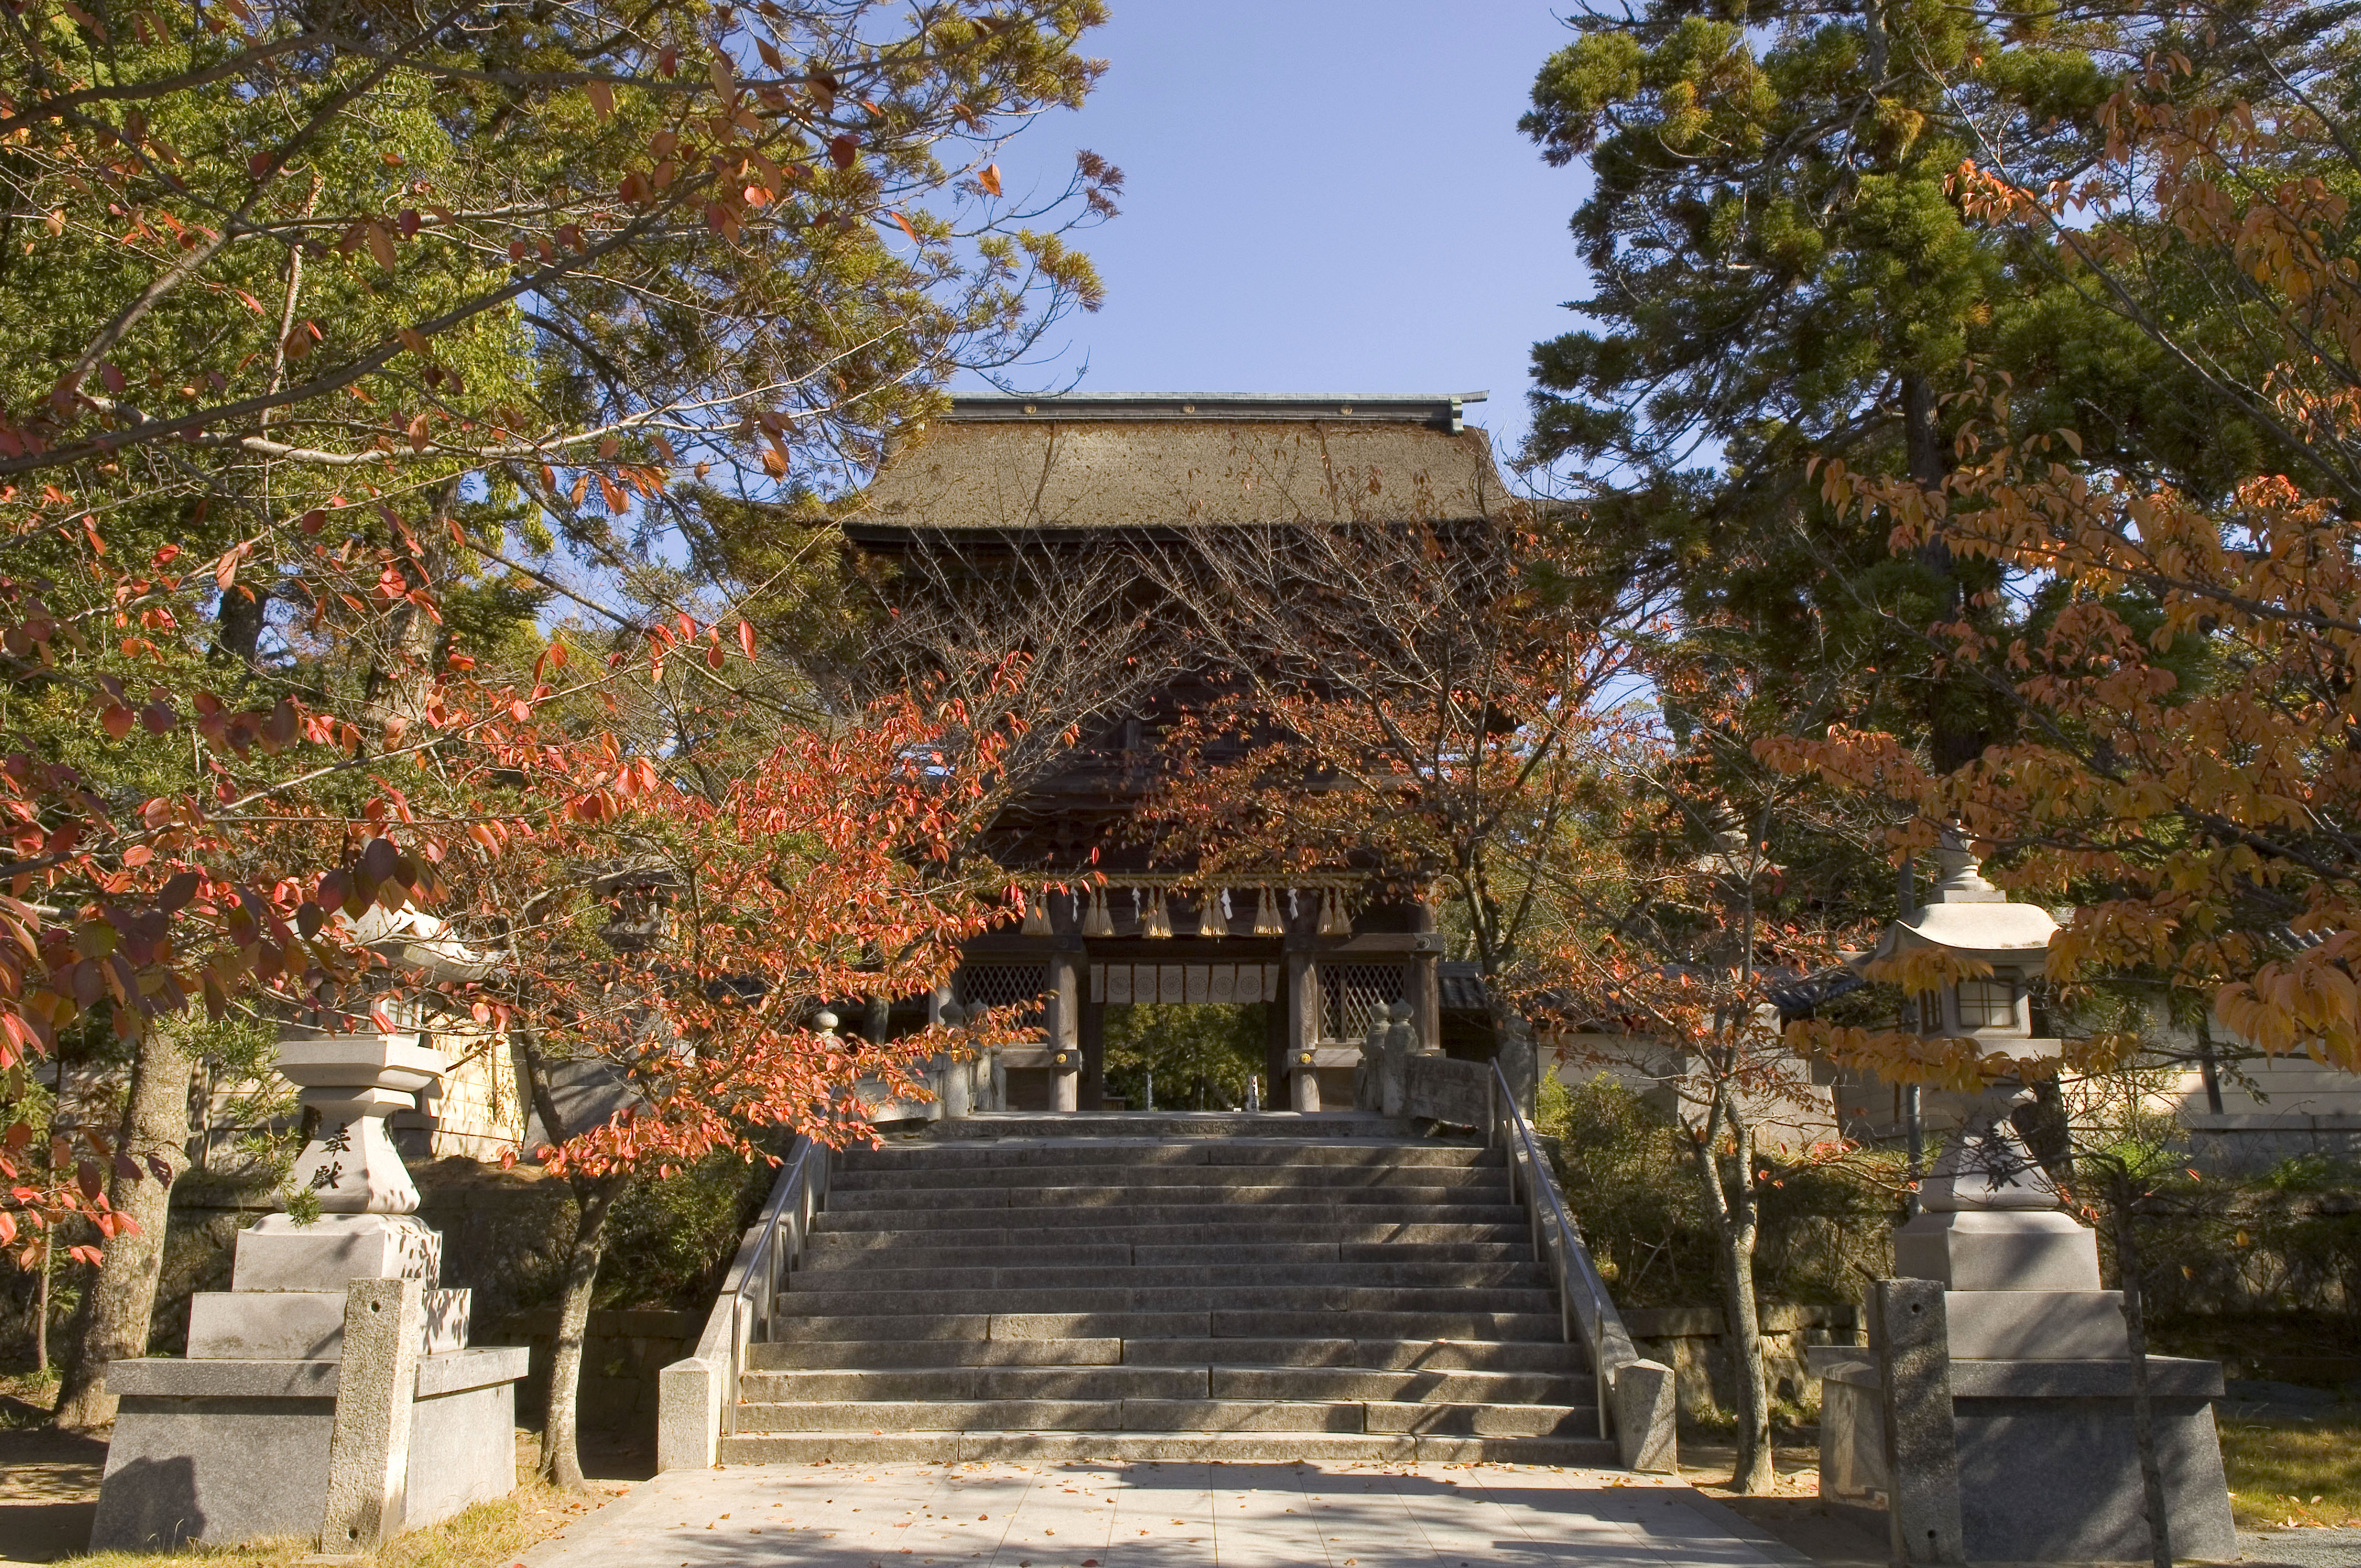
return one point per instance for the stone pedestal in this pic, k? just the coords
(2047, 1469)
(2039, 1383)
(276, 1412)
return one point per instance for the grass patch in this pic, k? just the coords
(2294, 1472)
(25, 1396)
(482, 1536)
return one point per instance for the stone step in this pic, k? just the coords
(838, 1255)
(1030, 1200)
(870, 1446)
(1532, 1328)
(1224, 1236)
(855, 1354)
(827, 1237)
(1555, 1359)
(1051, 1213)
(1172, 1415)
(1552, 1358)
(1037, 1154)
(1284, 1384)
(1054, 1274)
(801, 1302)
(1398, 1387)
(1321, 1126)
(1416, 1180)
(941, 1384)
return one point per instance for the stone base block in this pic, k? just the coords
(303, 1325)
(1999, 1250)
(2049, 1469)
(221, 1451)
(2036, 1325)
(278, 1254)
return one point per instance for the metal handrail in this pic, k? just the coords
(1583, 1295)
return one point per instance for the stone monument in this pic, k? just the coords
(329, 1392)
(2040, 1382)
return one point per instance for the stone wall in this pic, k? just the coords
(621, 1354)
(1689, 1340)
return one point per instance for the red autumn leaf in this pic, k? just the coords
(842, 149)
(382, 860)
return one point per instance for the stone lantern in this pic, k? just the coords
(334, 1356)
(1994, 1405)
(1970, 918)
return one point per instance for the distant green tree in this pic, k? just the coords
(1202, 1055)
(1782, 269)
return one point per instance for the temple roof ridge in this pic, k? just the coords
(1441, 410)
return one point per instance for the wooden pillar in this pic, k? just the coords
(1275, 1039)
(1092, 1034)
(1302, 1003)
(1421, 981)
(1064, 1022)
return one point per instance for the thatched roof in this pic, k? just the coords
(1137, 460)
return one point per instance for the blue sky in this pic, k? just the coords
(1319, 197)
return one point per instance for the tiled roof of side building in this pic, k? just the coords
(1169, 460)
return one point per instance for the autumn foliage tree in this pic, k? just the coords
(334, 345)
(1418, 701)
(666, 945)
(2183, 773)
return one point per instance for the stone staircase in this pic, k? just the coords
(1168, 1286)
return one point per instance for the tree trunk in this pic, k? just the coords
(1732, 1214)
(122, 1300)
(1953, 744)
(41, 1314)
(2160, 1522)
(561, 1459)
(1922, 424)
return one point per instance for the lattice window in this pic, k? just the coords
(1356, 995)
(1987, 1004)
(1004, 985)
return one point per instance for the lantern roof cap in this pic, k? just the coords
(1968, 913)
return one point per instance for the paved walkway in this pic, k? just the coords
(1100, 1514)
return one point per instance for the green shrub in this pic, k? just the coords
(670, 1239)
(1631, 1180)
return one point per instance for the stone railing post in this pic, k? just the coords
(1922, 1468)
(368, 1447)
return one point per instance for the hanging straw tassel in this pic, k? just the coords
(1098, 922)
(1037, 916)
(1265, 921)
(1334, 921)
(1158, 921)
